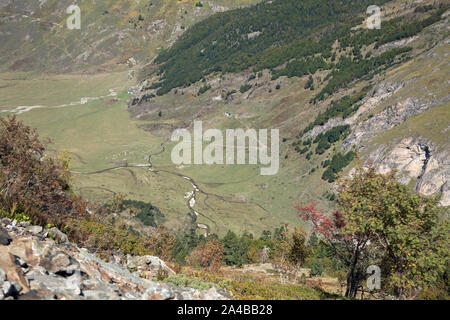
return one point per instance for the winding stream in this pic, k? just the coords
(190, 196)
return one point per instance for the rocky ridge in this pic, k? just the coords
(38, 263)
(416, 160)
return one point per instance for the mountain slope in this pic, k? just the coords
(337, 91)
(34, 34)
(376, 86)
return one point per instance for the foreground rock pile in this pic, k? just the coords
(37, 263)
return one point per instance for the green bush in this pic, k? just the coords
(203, 89)
(245, 88)
(338, 162)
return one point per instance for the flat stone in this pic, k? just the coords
(59, 286)
(35, 230)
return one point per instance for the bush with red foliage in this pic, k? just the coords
(31, 182)
(350, 247)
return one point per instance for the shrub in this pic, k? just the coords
(208, 255)
(147, 213)
(245, 88)
(32, 182)
(338, 162)
(203, 89)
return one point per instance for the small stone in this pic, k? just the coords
(132, 296)
(35, 230)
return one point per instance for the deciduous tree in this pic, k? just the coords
(381, 221)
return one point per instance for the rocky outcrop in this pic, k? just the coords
(372, 100)
(387, 119)
(36, 263)
(417, 161)
(148, 266)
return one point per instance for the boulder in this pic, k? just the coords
(60, 263)
(13, 272)
(11, 289)
(35, 230)
(160, 291)
(60, 287)
(57, 235)
(5, 239)
(148, 266)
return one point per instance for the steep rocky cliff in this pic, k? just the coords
(416, 162)
(393, 127)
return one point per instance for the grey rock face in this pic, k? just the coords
(385, 120)
(373, 99)
(416, 159)
(149, 266)
(34, 267)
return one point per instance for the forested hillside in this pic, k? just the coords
(270, 34)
